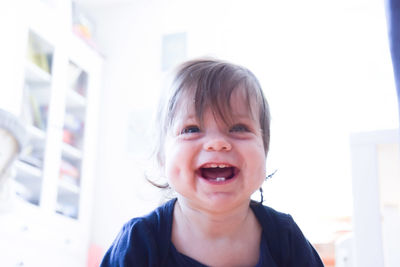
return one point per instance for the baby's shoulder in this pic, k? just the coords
(268, 215)
(143, 241)
(137, 224)
(285, 240)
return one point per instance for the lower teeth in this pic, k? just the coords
(220, 179)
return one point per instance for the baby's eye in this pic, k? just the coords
(239, 128)
(190, 129)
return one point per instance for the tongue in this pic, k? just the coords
(213, 173)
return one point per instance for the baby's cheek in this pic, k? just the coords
(173, 173)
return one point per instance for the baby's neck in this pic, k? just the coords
(212, 225)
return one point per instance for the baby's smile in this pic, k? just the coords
(217, 172)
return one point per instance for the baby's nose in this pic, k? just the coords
(217, 144)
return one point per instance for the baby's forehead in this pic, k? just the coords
(226, 111)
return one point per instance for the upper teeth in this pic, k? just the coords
(213, 165)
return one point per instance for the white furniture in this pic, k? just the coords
(344, 249)
(376, 187)
(51, 80)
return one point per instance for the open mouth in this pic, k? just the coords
(217, 173)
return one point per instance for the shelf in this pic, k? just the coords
(68, 203)
(67, 187)
(77, 79)
(40, 53)
(28, 182)
(27, 169)
(71, 152)
(75, 100)
(38, 43)
(42, 95)
(33, 154)
(21, 206)
(35, 75)
(36, 133)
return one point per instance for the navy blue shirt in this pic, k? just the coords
(146, 241)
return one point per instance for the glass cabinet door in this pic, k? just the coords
(35, 106)
(68, 195)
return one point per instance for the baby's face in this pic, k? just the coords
(214, 165)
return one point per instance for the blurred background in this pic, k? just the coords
(84, 77)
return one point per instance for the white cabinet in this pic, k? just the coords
(51, 80)
(376, 186)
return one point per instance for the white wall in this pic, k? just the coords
(131, 84)
(325, 69)
(12, 60)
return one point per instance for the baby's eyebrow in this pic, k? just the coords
(236, 115)
(190, 117)
(243, 116)
(185, 119)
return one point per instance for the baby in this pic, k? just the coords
(213, 143)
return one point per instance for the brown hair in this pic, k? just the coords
(210, 84)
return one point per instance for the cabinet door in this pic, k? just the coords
(73, 140)
(79, 132)
(37, 92)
